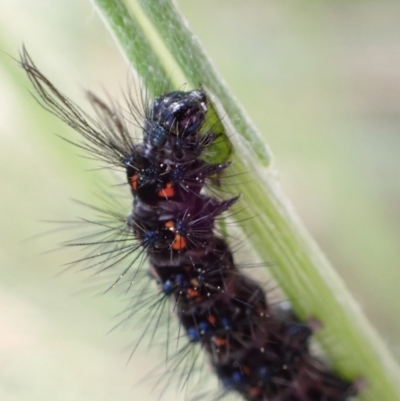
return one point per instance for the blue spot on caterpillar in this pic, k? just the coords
(255, 350)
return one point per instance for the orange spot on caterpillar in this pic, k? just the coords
(134, 181)
(170, 224)
(212, 319)
(167, 192)
(255, 391)
(219, 341)
(192, 293)
(179, 243)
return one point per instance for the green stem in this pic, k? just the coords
(277, 235)
(134, 42)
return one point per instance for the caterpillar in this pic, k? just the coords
(256, 350)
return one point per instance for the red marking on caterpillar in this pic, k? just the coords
(255, 350)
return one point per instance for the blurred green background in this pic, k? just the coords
(320, 79)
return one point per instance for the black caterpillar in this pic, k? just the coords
(255, 350)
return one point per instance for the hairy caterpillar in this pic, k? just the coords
(255, 349)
